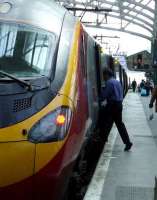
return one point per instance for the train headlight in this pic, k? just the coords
(53, 127)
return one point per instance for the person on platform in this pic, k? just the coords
(113, 94)
(153, 99)
(151, 86)
(134, 85)
(142, 84)
(147, 87)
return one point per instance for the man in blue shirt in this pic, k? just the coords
(113, 94)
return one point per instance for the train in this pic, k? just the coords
(50, 84)
(119, 68)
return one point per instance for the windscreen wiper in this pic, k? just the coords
(21, 82)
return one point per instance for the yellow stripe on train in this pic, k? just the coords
(17, 155)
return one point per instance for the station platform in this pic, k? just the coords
(128, 175)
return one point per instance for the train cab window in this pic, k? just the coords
(26, 51)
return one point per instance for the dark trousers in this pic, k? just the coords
(133, 88)
(110, 114)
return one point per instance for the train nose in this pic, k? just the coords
(16, 162)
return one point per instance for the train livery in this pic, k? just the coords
(50, 83)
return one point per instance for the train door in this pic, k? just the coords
(99, 69)
(125, 82)
(92, 83)
(120, 75)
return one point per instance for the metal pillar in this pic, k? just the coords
(154, 46)
(154, 51)
(154, 39)
(155, 189)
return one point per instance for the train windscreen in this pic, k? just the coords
(26, 51)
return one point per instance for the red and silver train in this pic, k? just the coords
(50, 83)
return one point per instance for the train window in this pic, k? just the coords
(82, 56)
(26, 51)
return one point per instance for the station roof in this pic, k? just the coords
(136, 17)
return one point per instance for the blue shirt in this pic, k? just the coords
(112, 91)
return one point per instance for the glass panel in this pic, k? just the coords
(25, 51)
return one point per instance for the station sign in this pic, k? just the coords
(119, 54)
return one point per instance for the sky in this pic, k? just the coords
(138, 76)
(124, 43)
(127, 43)
(130, 44)
(134, 16)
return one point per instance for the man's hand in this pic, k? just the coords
(150, 105)
(104, 103)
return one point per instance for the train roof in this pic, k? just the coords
(45, 14)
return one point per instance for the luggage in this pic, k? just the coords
(143, 92)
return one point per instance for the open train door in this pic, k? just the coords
(98, 69)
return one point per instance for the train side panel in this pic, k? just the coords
(54, 161)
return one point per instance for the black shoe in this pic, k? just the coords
(128, 146)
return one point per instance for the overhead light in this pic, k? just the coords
(5, 7)
(96, 9)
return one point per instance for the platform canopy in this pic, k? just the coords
(136, 17)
